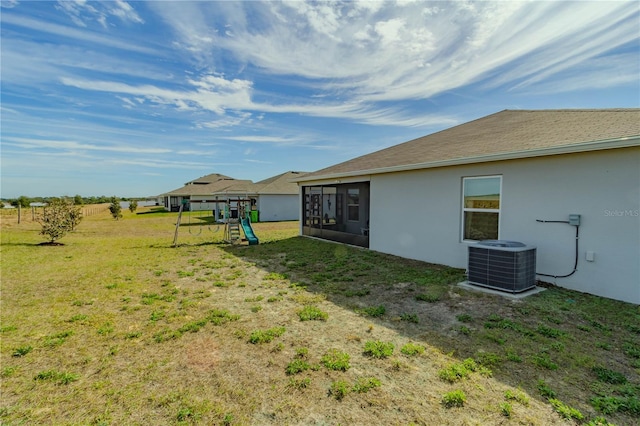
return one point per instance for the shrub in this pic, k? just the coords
(464, 318)
(459, 371)
(454, 373)
(410, 318)
(299, 383)
(59, 218)
(60, 378)
(543, 360)
(609, 376)
(311, 313)
(426, 297)
(411, 349)
(336, 360)
(517, 395)
(378, 349)
(549, 331)
(266, 336)
(219, 317)
(372, 311)
(455, 398)
(21, 351)
(545, 390)
(612, 404)
(566, 411)
(133, 205)
(364, 385)
(505, 409)
(339, 389)
(115, 208)
(297, 366)
(302, 352)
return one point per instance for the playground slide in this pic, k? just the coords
(248, 232)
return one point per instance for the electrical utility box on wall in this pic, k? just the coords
(574, 219)
(502, 265)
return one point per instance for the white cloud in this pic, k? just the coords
(32, 143)
(75, 34)
(80, 11)
(409, 51)
(347, 60)
(265, 139)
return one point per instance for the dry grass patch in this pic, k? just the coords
(119, 327)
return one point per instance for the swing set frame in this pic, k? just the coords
(243, 206)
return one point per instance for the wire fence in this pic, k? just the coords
(31, 214)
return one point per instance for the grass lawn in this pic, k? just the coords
(116, 326)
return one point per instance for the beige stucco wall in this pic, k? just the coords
(418, 215)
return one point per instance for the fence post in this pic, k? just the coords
(18, 213)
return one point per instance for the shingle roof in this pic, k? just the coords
(220, 184)
(280, 184)
(502, 133)
(210, 178)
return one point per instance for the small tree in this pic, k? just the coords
(115, 208)
(133, 206)
(21, 201)
(58, 218)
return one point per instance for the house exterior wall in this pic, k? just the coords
(197, 203)
(277, 207)
(418, 215)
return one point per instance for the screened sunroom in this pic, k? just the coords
(337, 212)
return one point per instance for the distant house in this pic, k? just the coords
(274, 199)
(513, 175)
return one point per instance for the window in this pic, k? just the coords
(481, 207)
(353, 204)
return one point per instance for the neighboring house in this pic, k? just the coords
(273, 199)
(498, 177)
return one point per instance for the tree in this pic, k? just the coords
(133, 206)
(22, 201)
(58, 218)
(77, 200)
(115, 208)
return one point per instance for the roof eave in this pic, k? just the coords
(625, 142)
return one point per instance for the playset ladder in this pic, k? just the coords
(233, 232)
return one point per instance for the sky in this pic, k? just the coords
(134, 99)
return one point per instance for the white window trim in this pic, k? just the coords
(353, 205)
(465, 209)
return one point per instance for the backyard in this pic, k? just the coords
(117, 326)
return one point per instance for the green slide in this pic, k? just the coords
(248, 232)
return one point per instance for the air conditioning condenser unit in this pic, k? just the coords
(502, 265)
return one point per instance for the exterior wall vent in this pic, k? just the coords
(502, 265)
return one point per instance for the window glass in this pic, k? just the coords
(353, 204)
(482, 193)
(481, 208)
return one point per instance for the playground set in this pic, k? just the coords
(235, 214)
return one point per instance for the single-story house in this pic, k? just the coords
(516, 175)
(272, 199)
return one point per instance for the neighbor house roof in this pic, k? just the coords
(216, 184)
(211, 178)
(207, 188)
(505, 135)
(280, 184)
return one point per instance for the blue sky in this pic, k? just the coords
(136, 98)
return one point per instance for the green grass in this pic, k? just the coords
(117, 326)
(266, 336)
(378, 349)
(335, 359)
(456, 398)
(312, 313)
